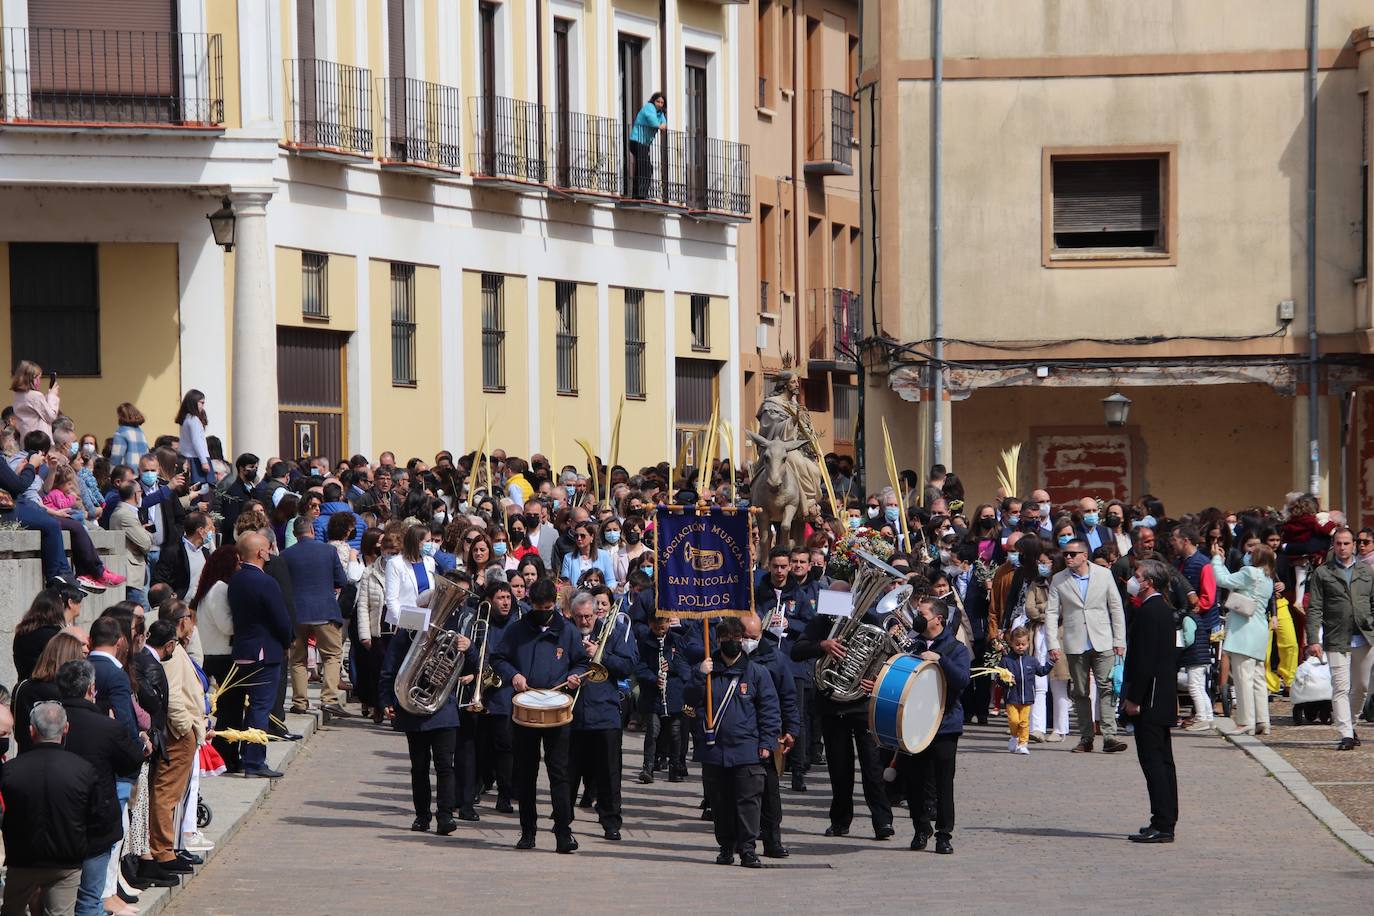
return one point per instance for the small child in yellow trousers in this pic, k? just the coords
(1020, 695)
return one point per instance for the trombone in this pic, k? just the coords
(597, 673)
(486, 675)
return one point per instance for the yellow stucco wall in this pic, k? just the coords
(506, 411)
(342, 282)
(577, 416)
(345, 17)
(139, 341)
(223, 19)
(643, 423)
(431, 9)
(406, 419)
(718, 336)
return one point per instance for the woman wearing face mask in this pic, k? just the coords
(1063, 531)
(984, 532)
(370, 608)
(1039, 565)
(1116, 520)
(501, 551)
(410, 573)
(1247, 637)
(873, 513)
(520, 546)
(625, 557)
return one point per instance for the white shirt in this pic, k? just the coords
(111, 658)
(195, 562)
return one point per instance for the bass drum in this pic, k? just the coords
(908, 703)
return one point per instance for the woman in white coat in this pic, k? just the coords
(410, 574)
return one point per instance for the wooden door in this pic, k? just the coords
(697, 129)
(562, 100)
(313, 406)
(487, 116)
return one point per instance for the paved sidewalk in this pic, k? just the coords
(1046, 831)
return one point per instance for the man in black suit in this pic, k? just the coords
(113, 692)
(262, 631)
(278, 570)
(1149, 688)
(972, 600)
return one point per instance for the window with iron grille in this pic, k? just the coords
(634, 345)
(565, 301)
(403, 324)
(55, 307)
(701, 322)
(493, 332)
(314, 284)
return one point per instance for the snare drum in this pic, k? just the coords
(541, 709)
(908, 703)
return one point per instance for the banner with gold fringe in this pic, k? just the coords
(703, 566)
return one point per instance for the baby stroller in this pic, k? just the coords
(204, 814)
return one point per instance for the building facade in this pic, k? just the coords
(439, 227)
(1120, 204)
(799, 261)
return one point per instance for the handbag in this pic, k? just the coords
(1240, 604)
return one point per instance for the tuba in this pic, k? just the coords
(433, 663)
(867, 646)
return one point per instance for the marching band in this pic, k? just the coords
(500, 685)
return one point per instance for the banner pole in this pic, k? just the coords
(710, 707)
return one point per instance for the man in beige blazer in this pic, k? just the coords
(1085, 596)
(185, 734)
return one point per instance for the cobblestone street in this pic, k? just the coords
(1046, 830)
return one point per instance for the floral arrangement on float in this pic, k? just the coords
(843, 561)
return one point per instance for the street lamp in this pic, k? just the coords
(222, 225)
(1117, 407)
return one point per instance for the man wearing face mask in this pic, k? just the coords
(542, 650)
(233, 497)
(1041, 500)
(786, 611)
(762, 650)
(971, 596)
(262, 631)
(1084, 595)
(1088, 525)
(1149, 695)
(747, 719)
(929, 775)
(844, 729)
(596, 727)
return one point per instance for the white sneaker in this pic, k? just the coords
(1023, 749)
(1011, 744)
(1200, 725)
(1053, 738)
(196, 842)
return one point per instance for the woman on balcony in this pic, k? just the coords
(650, 118)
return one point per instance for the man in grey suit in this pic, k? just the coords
(1085, 596)
(543, 536)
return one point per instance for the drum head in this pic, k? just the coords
(922, 708)
(542, 699)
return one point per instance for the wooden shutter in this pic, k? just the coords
(90, 58)
(305, 29)
(1097, 195)
(126, 15)
(396, 37)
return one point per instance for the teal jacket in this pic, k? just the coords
(1248, 636)
(647, 123)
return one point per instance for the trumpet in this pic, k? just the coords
(486, 675)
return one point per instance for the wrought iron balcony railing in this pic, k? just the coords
(508, 139)
(656, 172)
(718, 177)
(835, 325)
(420, 123)
(829, 133)
(111, 78)
(587, 153)
(328, 107)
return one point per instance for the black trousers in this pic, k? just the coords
(247, 705)
(437, 745)
(799, 758)
(770, 811)
(932, 770)
(494, 754)
(736, 795)
(526, 746)
(978, 694)
(1155, 750)
(469, 785)
(644, 168)
(596, 758)
(845, 734)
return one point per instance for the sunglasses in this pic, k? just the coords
(1364, 540)
(1073, 553)
(471, 540)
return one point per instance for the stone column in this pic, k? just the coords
(254, 390)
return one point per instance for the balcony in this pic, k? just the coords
(587, 157)
(829, 133)
(705, 176)
(835, 322)
(328, 110)
(508, 136)
(420, 126)
(125, 81)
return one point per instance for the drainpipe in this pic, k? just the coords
(1313, 401)
(937, 317)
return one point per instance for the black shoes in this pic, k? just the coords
(176, 866)
(1113, 746)
(190, 857)
(526, 841)
(750, 860)
(1347, 744)
(567, 845)
(445, 826)
(644, 778)
(467, 814)
(706, 814)
(677, 776)
(504, 806)
(154, 875)
(262, 772)
(943, 846)
(832, 830)
(1152, 836)
(798, 782)
(883, 833)
(919, 841)
(779, 852)
(585, 801)
(420, 825)
(337, 711)
(613, 835)
(726, 857)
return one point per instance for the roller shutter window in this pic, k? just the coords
(1108, 203)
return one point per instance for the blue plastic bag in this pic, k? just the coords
(1118, 669)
